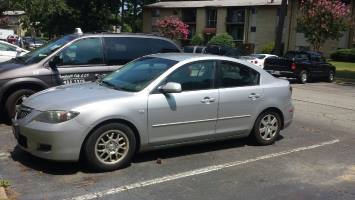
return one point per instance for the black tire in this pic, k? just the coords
(303, 77)
(14, 99)
(89, 148)
(330, 77)
(259, 136)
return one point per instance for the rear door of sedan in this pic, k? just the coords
(239, 98)
(189, 115)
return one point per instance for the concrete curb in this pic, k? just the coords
(3, 195)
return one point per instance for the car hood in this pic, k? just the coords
(72, 96)
(10, 65)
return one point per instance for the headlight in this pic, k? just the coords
(55, 116)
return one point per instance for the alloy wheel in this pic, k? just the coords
(111, 147)
(268, 127)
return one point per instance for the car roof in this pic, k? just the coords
(108, 34)
(186, 56)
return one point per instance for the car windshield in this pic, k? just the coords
(44, 51)
(258, 56)
(136, 75)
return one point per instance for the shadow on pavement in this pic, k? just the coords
(68, 168)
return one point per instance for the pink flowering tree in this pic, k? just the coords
(172, 27)
(322, 20)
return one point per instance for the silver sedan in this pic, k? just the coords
(153, 102)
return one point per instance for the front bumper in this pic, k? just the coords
(61, 142)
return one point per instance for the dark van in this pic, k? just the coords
(75, 58)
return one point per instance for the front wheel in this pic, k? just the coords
(110, 147)
(267, 128)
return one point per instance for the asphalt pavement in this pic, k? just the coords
(313, 159)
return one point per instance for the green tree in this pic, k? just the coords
(322, 20)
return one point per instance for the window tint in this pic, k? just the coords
(83, 52)
(4, 47)
(136, 75)
(161, 46)
(316, 58)
(194, 76)
(302, 56)
(121, 50)
(237, 75)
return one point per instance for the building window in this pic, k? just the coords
(235, 23)
(236, 15)
(236, 31)
(155, 13)
(188, 16)
(211, 17)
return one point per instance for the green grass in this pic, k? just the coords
(345, 71)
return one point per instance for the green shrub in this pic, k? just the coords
(267, 48)
(4, 183)
(222, 39)
(347, 55)
(197, 40)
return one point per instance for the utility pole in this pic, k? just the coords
(280, 26)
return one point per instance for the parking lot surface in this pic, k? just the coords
(314, 159)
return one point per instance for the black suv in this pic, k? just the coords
(72, 59)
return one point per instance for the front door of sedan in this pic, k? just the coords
(189, 115)
(82, 61)
(239, 98)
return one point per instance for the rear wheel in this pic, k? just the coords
(15, 99)
(267, 128)
(110, 147)
(303, 77)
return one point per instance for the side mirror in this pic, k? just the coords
(53, 63)
(170, 87)
(18, 50)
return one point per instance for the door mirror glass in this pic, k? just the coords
(171, 87)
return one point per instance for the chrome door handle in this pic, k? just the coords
(208, 100)
(254, 96)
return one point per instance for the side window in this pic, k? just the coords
(4, 47)
(316, 58)
(162, 46)
(83, 52)
(237, 75)
(302, 56)
(194, 76)
(121, 50)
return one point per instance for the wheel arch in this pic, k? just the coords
(22, 83)
(116, 120)
(278, 111)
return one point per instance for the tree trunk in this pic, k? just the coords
(278, 40)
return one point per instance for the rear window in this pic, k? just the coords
(258, 56)
(121, 50)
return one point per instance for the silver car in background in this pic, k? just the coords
(153, 102)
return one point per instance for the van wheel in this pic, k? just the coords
(16, 99)
(330, 77)
(303, 77)
(267, 128)
(110, 147)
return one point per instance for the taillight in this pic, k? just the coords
(293, 66)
